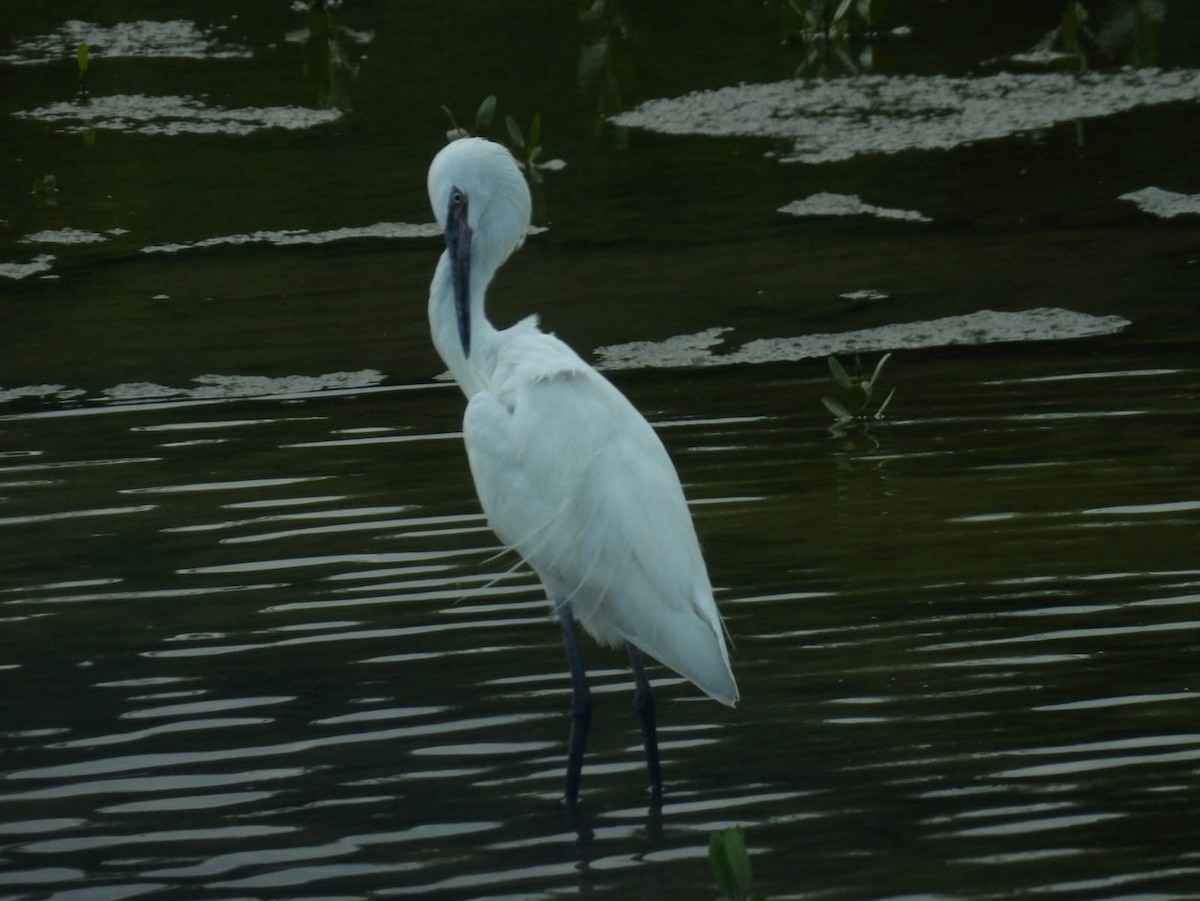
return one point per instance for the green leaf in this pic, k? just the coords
(879, 367)
(514, 131)
(1071, 25)
(535, 131)
(883, 406)
(729, 862)
(485, 113)
(739, 860)
(837, 409)
(839, 373)
(790, 22)
(870, 383)
(842, 9)
(871, 11)
(83, 54)
(858, 396)
(719, 863)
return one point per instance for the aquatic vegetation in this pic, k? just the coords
(730, 865)
(814, 20)
(823, 28)
(330, 63)
(607, 73)
(45, 190)
(1124, 33)
(855, 407)
(524, 151)
(82, 56)
(483, 121)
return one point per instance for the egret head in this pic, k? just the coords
(482, 203)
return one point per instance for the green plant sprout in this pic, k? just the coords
(45, 190)
(856, 406)
(731, 865)
(483, 121)
(812, 20)
(83, 57)
(1125, 32)
(528, 151)
(525, 151)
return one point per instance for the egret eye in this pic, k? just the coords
(456, 197)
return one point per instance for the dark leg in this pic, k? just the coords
(643, 703)
(581, 706)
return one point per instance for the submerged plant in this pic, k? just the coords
(731, 865)
(857, 391)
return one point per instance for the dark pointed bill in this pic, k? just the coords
(458, 244)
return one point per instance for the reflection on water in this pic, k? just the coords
(308, 671)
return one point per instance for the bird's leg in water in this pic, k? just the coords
(581, 705)
(643, 703)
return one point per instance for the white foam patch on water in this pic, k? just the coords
(678, 351)
(148, 115)
(827, 204)
(1164, 204)
(178, 39)
(40, 263)
(291, 236)
(224, 387)
(982, 327)
(864, 294)
(208, 388)
(837, 119)
(57, 392)
(64, 236)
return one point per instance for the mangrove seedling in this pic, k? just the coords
(857, 391)
(524, 151)
(82, 57)
(813, 20)
(45, 190)
(483, 121)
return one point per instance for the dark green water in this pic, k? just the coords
(253, 639)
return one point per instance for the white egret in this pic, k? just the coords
(569, 474)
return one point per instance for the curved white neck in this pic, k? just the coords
(471, 372)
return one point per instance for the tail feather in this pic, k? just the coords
(694, 650)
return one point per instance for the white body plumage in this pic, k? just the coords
(568, 472)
